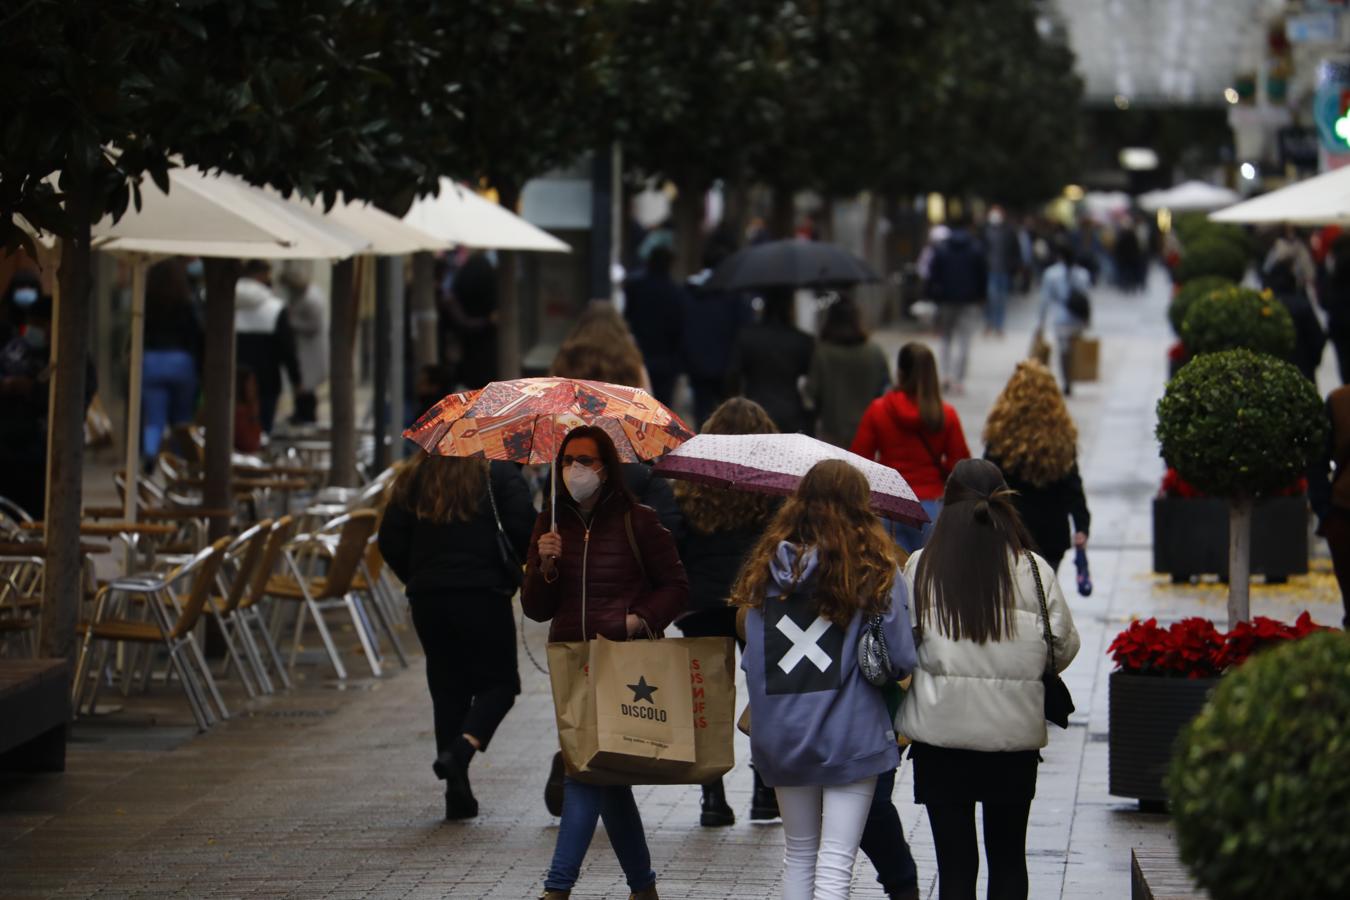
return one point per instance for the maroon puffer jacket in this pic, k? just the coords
(604, 571)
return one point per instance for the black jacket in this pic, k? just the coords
(713, 561)
(1046, 510)
(431, 557)
(959, 272)
(765, 365)
(649, 490)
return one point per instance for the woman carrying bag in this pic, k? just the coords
(823, 574)
(448, 534)
(911, 430)
(994, 632)
(608, 569)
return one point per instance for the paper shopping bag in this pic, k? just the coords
(644, 718)
(1040, 349)
(573, 703)
(712, 679)
(1084, 359)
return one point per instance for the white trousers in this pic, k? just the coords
(821, 830)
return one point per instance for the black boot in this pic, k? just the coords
(764, 802)
(553, 788)
(452, 767)
(716, 813)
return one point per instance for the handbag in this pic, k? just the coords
(874, 657)
(1058, 701)
(515, 572)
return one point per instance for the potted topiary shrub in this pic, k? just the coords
(1260, 783)
(1233, 317)
(1212, 255)
(1161, 681)
(1240, 425)
(1186, 295)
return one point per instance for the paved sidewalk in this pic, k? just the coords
(327, 791)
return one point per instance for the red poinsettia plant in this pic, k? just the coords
(1194, 648)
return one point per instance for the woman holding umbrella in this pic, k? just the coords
(606, 569)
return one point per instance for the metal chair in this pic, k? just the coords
(171, 624)
(249, 612)
(242, 558)
(315, 593)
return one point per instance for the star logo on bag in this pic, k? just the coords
(643, 691)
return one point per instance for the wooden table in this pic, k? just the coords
(112, 529)
(35, 707)
(39, 549)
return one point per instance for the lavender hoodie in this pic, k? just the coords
(814, 719)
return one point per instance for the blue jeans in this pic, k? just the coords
(883, 840)
(583, 805)
(996, 305)
(168, 395)
(911, 538)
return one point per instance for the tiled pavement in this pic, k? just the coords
(327, 791)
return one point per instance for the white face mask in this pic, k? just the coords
(582, 482)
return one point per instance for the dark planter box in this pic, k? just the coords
(1146, 713)
(1190, 537)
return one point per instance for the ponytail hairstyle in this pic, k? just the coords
(964, 583)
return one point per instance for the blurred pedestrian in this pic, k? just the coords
(770, 360)
(248, 430)
(911, 430)
(924, 265)
(976, 711)
(712, 320)
(848, 371)
(431, 386)
(440, 536)
(264, 340)
(1309, 338)
(1002, 254)
(628, 583)
(173, 355)
(958, 281)
(654, 310)
(1290, 247)
(471, 309)
(720, 527)
(1030, 436)
(21, 294)
(1335, 300)
(820, 733)
(1131, 266)
(1329, 492)
(306, 310)
(1065, 290)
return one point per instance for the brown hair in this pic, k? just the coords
(1029, 430)
(917, 376)
(609, 455)
(843, 324)
(708, 509)
(964, 579)
(856, 558)
(600, 348)
(442, 489)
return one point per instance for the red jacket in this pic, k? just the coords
(890, 434)
(605, 572)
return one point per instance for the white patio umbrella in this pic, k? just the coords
(389, 235)
(1189, 196)
(459, 216)
(1321, 200)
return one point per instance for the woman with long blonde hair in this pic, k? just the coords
(911, 430)
(721, 526)
(1030, 436)
(824, 568)
(440, 536)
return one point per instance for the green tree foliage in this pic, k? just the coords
(1260, 783)
(1212, 254)
(1240, 424)
(1233, 317)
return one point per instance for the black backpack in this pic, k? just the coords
(1080, 307)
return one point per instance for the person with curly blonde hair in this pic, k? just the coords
(1031, 438)
(820, 734)
(601, 348)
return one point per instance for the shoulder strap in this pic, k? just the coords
(923, 438)
(633, 544)
(496, 516)
(1045, 612)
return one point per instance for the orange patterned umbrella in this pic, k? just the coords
(525, 420)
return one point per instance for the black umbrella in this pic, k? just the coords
(791, 263)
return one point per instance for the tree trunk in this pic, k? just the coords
(342, 376)
(736, 208)
(508, 303)
(63, 586)
(825, 225)
(1239, 560)
(690, 208)
(425, 316)
(218, 389)
(783, 214)
(381, 394)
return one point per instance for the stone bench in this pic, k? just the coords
(34, 714)
(1157, 874)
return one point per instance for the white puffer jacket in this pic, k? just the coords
(988, 696)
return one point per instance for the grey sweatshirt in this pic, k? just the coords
(814, 719)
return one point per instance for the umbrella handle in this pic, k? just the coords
(553, 497)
